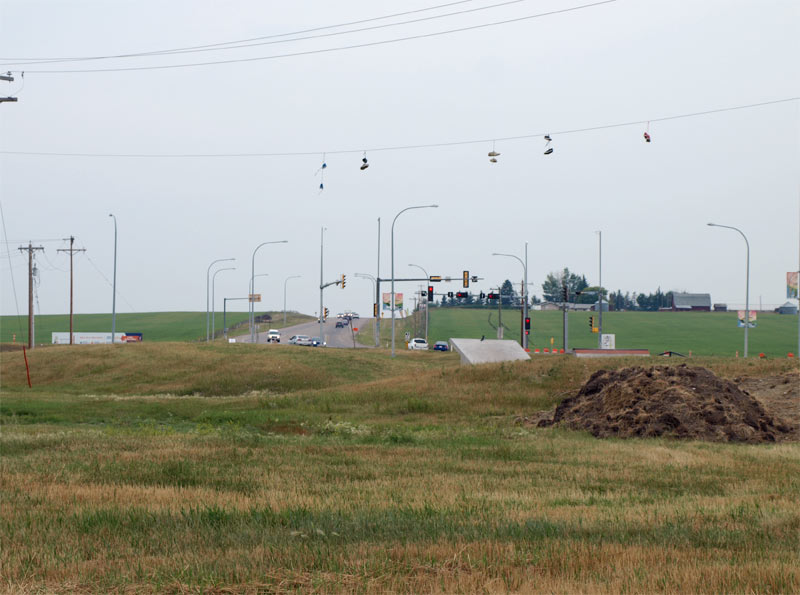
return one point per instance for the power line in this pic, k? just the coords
(258, 41)
(324, 50)
(10, 267)
(405, 147)
(291, 33)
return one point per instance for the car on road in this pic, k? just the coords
(418, 344)
(303, 340)
(292, 340)
(354, 315)
(317, 342)
(441, 346)
(345, 321)
(274, 336)
(339, 324)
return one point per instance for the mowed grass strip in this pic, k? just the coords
(361, 473)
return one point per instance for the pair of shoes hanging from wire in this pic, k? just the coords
(548, 150)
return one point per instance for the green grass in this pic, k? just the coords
(701, 333)
(154, 326)
(251, 468)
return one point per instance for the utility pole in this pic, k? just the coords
(31, 249)
(600, 290)
(71, 251)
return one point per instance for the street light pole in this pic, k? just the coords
(426, 302)
(114, 286)
(252, 277)
(600, 290)
(213, 302)
(374, 290)
(208, 273)
(524, 337)
(393, 222)
(321, 283)
(284, 295)
(747, 286)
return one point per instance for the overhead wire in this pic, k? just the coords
(257, 41)
(85, 255)
(321, 50)
(10, 267)
(317, 152)
(224, 43)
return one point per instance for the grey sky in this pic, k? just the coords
(619, 62)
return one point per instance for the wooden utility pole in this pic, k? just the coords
(31, 249)
(71, 251)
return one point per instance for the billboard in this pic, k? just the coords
(751, 320)
(387, 301)
(792, 290)
(95, 338)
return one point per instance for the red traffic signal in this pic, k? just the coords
(430, 293)
(461, 294)
(493, 296)
(527, 324)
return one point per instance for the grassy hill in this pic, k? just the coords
(154, 326)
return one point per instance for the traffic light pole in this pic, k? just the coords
(600, 291)
(565, 291)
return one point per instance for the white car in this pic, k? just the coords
(303, 340)
(418, 343)
(274, 336)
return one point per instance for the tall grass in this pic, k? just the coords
(347, 471)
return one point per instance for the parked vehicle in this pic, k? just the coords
(441, 346)
(418, 344)
(303, 340)
(274, 336)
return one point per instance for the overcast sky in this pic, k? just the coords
(622, 61)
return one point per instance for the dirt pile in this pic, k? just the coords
(681, 402)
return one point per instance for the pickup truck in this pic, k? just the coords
(274, 336)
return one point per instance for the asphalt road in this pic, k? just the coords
(334, 337)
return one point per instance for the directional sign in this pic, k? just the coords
(435, 278)
(255, 297)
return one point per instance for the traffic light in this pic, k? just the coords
(527, 325)
(482, 295)
(461, 294)
(591, 323)
(493, 296)
(450, 294)
(326, 312)
(343, 280)
(564, 293)
(430, 293)
(423, 293)
(466, 279)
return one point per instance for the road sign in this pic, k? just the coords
(435, 278)
(255, 297)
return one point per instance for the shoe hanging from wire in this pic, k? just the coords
(647, 133)
(548, 150)
(364, 162)
(321, 172)
(493, 155)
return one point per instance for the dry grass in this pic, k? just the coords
(403, 476)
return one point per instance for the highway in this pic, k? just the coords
(341, 338)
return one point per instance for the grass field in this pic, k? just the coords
(191, 467)
(154, 326)
(698, 333)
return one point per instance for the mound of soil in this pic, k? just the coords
(681, 402)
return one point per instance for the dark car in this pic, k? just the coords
(339, 324)
(441, 346)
